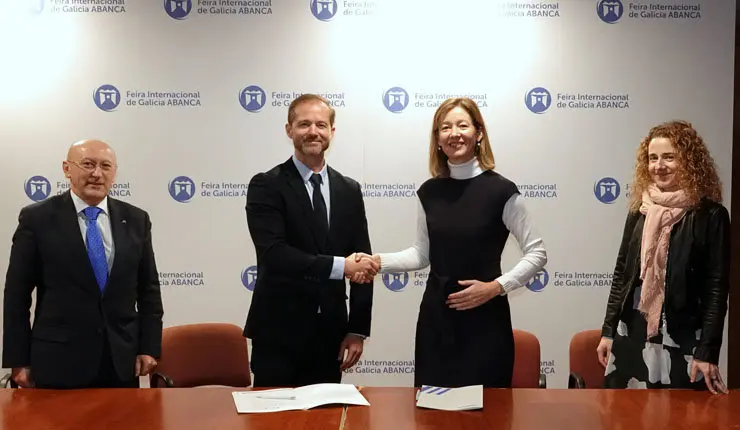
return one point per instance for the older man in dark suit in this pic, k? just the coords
(98, 315)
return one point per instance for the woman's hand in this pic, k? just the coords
(604, 350)
(712, 377)
(475, 295)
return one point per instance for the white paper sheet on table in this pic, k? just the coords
(450, 399)
(288, 399)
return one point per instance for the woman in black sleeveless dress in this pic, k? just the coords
(466, 212)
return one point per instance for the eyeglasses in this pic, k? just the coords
(91, 166)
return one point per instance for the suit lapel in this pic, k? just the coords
(119, 228)
(69, 226)
(339, 197)
(299, 188)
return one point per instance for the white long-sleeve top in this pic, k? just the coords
(515, 217)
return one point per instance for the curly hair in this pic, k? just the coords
(698, 172)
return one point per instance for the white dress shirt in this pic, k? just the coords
(515, 217)
(103, 226)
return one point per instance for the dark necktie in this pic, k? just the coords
(319, 205)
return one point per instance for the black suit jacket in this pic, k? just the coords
(72, 318)
(294, 261)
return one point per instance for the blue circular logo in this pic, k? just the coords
(107, 97)
(178, 9)
(610, 11)
(182, 189)
(37, 188)
(396, 281)
(539, 282)
(607, 190)
(252, 98)
(538, 100)
(249, 277)
(396, 99)
(324, 10)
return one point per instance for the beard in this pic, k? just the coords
(312, 147)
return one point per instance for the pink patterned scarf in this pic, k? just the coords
(662, 211)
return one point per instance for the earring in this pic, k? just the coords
(439, 148)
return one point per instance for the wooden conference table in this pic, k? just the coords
(391, 409)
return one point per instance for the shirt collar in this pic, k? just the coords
(306, 172)
(80, 204)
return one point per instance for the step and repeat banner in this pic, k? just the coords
(193, 96)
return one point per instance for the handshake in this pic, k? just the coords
(361, 268)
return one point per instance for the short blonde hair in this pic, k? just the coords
(438, 167)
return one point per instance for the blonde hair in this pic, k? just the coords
(437, 159)
(698, 172)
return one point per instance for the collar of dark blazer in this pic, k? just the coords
(116, 210)
(292, 171)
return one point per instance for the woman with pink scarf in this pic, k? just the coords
(666, 310)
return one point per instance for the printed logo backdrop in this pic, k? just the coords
(193, 96)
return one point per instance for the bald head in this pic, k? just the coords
(91, 169)
(78, 149)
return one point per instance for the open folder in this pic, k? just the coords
(450, 399)
(287, 399)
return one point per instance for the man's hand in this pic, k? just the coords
(361, 270)
(360, 277)
(352, 344)
(145, 364)
(475, 295)
(22, 377)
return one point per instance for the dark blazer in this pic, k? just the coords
(294, 261)
(64, 346)
(697, 277)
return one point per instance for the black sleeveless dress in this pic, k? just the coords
(466, 239)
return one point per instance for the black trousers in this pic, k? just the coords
(107, 376)
(316, 361)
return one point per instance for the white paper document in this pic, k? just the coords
(450, 399)
(288, 399)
